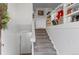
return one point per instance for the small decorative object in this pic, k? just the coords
(49, 16)
(75, 18)
(69, 11)
(54, 22)
(59, 16)
(4, 18)
(49, 20)
(48, 12)
(40, 12)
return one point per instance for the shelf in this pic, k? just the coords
(72, 13)
(70, 25)
(74, 5)
(71, 5)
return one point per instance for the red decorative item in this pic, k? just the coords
(57, 17)
(59, 14)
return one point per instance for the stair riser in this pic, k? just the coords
(44, 44)
(41, 34)
(39, 41)
(45, 53)
(40, 37)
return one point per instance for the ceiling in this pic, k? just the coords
(45, 5)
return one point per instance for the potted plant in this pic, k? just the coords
(4, 17)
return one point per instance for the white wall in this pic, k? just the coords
(24, 13)
(20, 19)
(9, 36)
(65, 38)
(40, 21)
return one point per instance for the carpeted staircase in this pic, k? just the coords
(43, 45)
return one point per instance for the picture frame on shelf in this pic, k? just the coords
(40, 12)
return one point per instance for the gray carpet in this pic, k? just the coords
(43, 45)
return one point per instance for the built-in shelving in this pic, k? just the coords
(65, 8)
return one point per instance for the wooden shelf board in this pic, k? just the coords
(71, 5)
(72, 13)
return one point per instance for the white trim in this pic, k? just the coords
(52, 42)
(32, 48)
